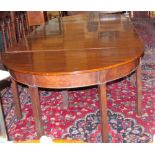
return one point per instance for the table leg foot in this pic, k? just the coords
(104, 117)
(34, 94)
(15, 94)
(139, 90)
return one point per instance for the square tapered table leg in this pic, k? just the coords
(103, 109)
(34, 94)
(139, 90)
(15, 94)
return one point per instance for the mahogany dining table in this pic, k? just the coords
(77, 51)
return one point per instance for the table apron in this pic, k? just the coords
(75, 80)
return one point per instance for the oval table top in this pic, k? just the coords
(69, 61)
(85, 46)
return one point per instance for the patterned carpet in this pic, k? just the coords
(81, 121)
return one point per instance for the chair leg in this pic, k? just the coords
(2, 124)
(103, 109)
(139, 90)
(15, 94)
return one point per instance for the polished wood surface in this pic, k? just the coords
(91, 30)
(70, 62)
(78, 56)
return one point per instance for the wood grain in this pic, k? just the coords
(84, 32)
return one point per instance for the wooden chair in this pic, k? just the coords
(4, 75)
(35, 19)
(13, 34)
(4, 38)
(6, 81)
(139, 14)
(7, 28)
(20, 25)
(8, 35)
(25, 22)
